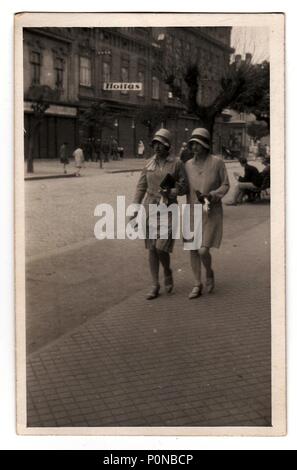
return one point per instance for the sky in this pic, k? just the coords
(251, 39)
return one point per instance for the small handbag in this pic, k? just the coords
(168, 182)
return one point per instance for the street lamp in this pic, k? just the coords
(133, 127)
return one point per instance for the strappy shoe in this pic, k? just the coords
(196, 292)
(154, 292)
(168, 283)
(210, 283)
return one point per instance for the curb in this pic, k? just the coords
(47, 177)
(124, 171)
(71, 175)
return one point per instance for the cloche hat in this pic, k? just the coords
(201, 136)
(163, 136)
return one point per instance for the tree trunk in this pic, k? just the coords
(209, 124)
(206, 118)
(32, 139)
(30, 166)
(100, 149)
(150, 138)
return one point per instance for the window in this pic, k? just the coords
(106, 72)
(35, 60)
(59, 68)
(155, 88)
(124, 77)
(141, 79)
(85, 71)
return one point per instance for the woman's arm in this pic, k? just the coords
(141, 188)
(181, 185)
(224, 187)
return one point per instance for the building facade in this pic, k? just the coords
(76, 62)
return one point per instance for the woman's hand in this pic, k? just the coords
(164, 192)
(173, 193)
(169, 193)
(207, 201)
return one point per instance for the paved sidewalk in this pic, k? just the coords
(171, 361)
(48, 169)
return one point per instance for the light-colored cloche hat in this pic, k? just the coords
(201, 136)
(163, 136)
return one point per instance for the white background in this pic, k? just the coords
(8, 437)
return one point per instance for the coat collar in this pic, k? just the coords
(154, 162)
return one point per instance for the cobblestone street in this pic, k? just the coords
(100, 355)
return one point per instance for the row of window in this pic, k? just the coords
(36, 63)
(85, 77)
(85, 74)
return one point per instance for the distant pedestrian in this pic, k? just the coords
(185, 153)
(89, 150)
(265, 174)
(64, 156)
(267, 151)
(140, 149)
(114, 149)
(79, 159)
(121, 152)
(105, 150)
(97, 149)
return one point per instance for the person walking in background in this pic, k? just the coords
(140, 149)
(98, 153)
(88, 150)
(208, 184)
(79, 159)
(267, 151)
(105, 150)
(184, 153)
(161, 165)
(64, 156)
(250, 180)
(114, 148)
(120, 152)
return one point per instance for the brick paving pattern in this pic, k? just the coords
(168, 362)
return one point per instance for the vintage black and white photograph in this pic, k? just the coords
(150, 223)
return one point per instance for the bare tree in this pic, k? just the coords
(151, 116)
(243, 86)
(92, 121)
(41, 96)
(257, 130)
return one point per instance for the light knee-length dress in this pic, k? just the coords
(210, 177)
(148, 192)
